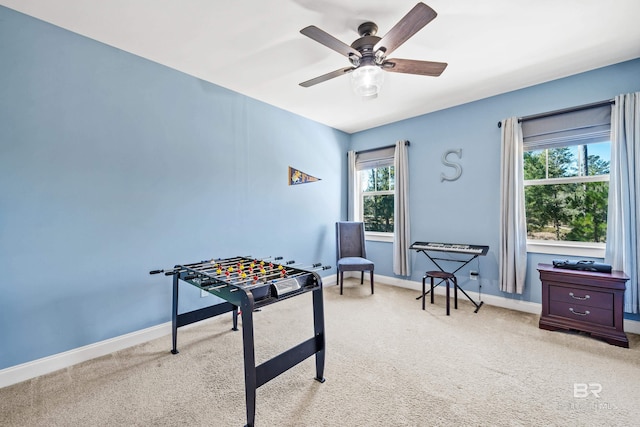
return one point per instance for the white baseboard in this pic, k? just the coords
(524, 306)
(46, 365)
(630, 326)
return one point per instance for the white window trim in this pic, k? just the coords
(564, 247)
(567, 180)
(377, 236)
(377, 193)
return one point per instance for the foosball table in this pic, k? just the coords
(246, 284)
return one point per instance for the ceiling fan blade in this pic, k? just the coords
(329, 41)
(411, 23)
(328, 76)
(410, 66)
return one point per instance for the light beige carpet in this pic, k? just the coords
(388, 364)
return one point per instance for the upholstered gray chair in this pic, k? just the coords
(351, 252)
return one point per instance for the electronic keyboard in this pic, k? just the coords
(451, 247)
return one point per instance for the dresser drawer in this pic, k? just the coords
(595, 315)
(584, 297)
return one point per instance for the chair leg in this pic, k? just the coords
(371, 282)
(424, 293)
(447, 280)
(362, 277)
(431, 290)
(341, 277)
(455, 292)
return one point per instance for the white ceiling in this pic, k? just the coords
(254, 47)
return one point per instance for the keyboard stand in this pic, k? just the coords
(463, 263)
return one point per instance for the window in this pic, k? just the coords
(375, 191)
(566, 176)
(566, 193)
(377, 198)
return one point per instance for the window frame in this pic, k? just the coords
(379, 236)
(566, 247)
(383, 157)
(580, 125)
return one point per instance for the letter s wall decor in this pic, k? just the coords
(454, 165)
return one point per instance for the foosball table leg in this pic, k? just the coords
(235, 319)
(174, 316)
(318, 324)
(250, 377)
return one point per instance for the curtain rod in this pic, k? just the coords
(562, 111)
(406, 143)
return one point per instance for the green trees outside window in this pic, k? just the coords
(566, 193)
(378, 185)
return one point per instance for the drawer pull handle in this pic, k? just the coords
(580, 298)
(586, 313)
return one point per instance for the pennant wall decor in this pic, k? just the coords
(298, 177)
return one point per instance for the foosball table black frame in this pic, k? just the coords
(243, 298)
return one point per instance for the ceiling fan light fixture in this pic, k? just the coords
(368, 53)
(367, 80)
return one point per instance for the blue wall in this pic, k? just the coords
(467, 210)
(112, 165)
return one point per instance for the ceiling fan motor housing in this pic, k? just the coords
(367, 29)
(365, 45)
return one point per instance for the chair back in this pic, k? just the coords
(350, 239)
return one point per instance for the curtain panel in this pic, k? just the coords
(513, 227)
(623, 241)
(401, 229)
(352, 208)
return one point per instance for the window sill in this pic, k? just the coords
(579, 249)
(378, 237)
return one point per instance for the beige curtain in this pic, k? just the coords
(513, 227)
(401, 231)
(623, 239)
(352, 206)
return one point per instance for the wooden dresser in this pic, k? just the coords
(584, 301)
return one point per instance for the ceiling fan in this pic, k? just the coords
(368, 54)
